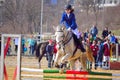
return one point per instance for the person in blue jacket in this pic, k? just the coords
(68, 19)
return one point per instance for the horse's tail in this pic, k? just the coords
(89, 54)
(38, 50)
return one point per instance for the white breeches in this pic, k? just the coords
(76, 32)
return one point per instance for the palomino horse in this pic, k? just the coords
(67, 47)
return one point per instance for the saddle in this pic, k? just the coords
(78, 44)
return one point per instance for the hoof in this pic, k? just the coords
(61, 71)
(57, 66)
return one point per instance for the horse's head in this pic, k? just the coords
(62, 36)
(60, 33)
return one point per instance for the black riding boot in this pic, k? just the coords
(62, 65)
(80, 46)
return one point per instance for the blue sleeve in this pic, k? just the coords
(73, 22)
(63, 21)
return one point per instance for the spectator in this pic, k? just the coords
(90, 39)
(94, 48)
(49, 50)
(94, 31)
(9, 50)
(23, 44)
(105, 33)
(109, 35)
(106, 53)
(25, 48)
(31, 43)
(54, 52)
(100, 53)
(86, 34)
(16, 44)
(116, 41)
(112, 39)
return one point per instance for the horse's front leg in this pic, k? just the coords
(57, 57)
(63, 62)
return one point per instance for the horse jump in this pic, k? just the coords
(67, 72)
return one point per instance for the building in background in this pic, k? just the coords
(108, 3)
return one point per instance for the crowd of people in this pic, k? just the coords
(27, 45)
(100, 46)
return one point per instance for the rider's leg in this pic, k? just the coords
(78, 34)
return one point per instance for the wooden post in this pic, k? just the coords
(18, 55)
(2, 58)
(117, 56)
(19, 59)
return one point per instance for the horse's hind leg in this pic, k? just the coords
(72, 65)
(40, 58)
(83, 60)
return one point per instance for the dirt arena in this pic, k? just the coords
(32, 62)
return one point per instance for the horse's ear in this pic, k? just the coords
(63, 28)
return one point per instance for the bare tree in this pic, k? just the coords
(91, 6)
(33, 15)
(96, 9)
(10, 13)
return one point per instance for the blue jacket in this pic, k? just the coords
(112, 39)
(94, 31)
(49, 49)
(69, 22)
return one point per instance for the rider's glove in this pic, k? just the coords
(69, 29)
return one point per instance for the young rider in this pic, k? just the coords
(68, 19)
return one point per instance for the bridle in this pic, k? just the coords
(65, 39)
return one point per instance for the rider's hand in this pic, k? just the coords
(69, 29)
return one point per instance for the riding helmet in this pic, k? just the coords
(68, 7)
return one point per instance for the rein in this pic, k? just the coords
(66, 40)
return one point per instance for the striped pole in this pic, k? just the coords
(54, 71)
(63, 77)
(66, 72)
(55, 77)
(5, 53)
(111, 75)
